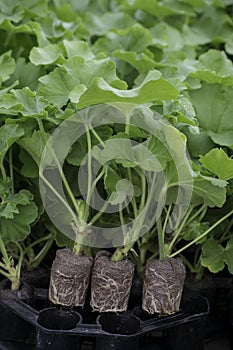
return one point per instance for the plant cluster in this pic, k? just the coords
(161, 66)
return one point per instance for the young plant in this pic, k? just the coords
(17, 211)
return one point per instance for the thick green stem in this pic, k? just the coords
(98, 138)
(98, 214)
(96, 181)
(122, 71)
(3, 251)
(11, 170)
(121, 252)
(134, 205)
(143, 195)
(3, 172)
(67, 187)
(202, 235)
(59, 196)
(200, 213)
(89, 173)
(161, 240)
(178, 231)
(127, 123)
(78, 248)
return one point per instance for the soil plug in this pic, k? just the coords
(110, 284)
(163, 286)
(69, 279)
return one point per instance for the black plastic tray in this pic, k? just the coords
(192, 316)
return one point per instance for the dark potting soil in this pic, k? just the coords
(110, 283)
(26, 291)
(69, 278)
(163, 286)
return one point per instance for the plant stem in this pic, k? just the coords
(3, 250)
(16, 281)
(59, 196)
(187, 263)
(11, 170)
(143, 195)
(98, 214)
(180, 228)
(3, 171)
(202, 235)
(127, 123)
(77, 248)
(161, 239)
(7, 275)
(96, 181)
(223, 237)
(134, 205)
(202, 210)
(167, 217)
(89, 174)
(41, 255)
(98, 138)
(67, 187)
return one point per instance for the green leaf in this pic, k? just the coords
(212, 255)
(29, 167)
(78, 48)
(34, 145)
(85, 71)
(194, 230)
(7, 66)
(218, 162)
(209, 191)
(7, 25)
(80, 149)
(17, 212)
(214, 108)
(16, 229)
(167, 36)
(56, 86)
(33, 105)
(215, 256)
(111, 178)
(161, 9)
(47, 55)
(140, 61)
(212, 24)
(63, 241)
(8, 135)
(154, 87)
(228, 256)
(116, 148)
(217, 62)
(124, 189)
(198, 141)
(214, 68)
(26, 74)
(135, 38)
(100, 24)
(8, 207)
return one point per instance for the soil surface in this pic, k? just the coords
(163, 286)
(25, 291)
(69, 278)
(110, 284)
